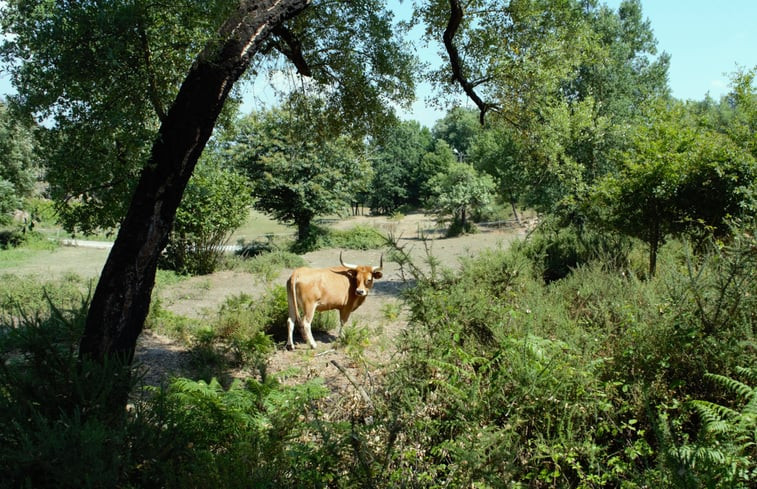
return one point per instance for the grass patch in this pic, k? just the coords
(23, 248)
(258, 226)
(268, 265)
(22, 295)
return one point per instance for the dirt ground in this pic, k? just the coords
(201, 296)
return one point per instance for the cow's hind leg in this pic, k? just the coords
(307, 320)
(290, 334)
(293, 314)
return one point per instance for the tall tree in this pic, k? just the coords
(297, 173)
(458, 128)
(565, 77)
(496, 152)
(133, 73)
(458, 191)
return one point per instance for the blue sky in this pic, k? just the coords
(707, 41)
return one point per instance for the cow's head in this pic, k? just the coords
(364, 275)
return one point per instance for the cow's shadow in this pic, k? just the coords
(279, 335)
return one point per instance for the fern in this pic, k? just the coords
(726, 451)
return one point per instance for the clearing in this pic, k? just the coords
(381, 314)
(201, 296)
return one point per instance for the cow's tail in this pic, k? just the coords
(294, 311)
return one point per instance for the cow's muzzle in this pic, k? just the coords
(361, 292)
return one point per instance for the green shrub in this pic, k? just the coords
(558, 250)
(163, 321)
(216, 202)
(267, 264)
(565, 384)
(725, 453)
(60, 430)
(356, 238)
(249, 435)
(355, 339)
(32, 295)
(57, 422)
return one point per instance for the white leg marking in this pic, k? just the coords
(290, 339)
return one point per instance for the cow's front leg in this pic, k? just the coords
(344, 315)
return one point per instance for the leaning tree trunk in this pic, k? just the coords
(122, 297)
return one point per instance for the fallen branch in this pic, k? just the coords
(349, 377)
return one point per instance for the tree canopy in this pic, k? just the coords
(19, 167)
(676, 179)
(106, 112)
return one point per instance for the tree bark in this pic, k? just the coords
(515, 213)
(122, 297)
(654, 245)
(303, 227)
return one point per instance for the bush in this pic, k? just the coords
(258, 434)
(267, 264)
(59, 429)
(57, 421)
(558, 250)
(599, 379)
(215, 203)
(580, 382)
(25, 295)
(725, 453)
(356, 238)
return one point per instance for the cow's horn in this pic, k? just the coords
(381, 264)
(346, 265)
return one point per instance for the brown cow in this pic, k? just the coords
(323, 289)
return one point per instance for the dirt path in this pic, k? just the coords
(381, 314)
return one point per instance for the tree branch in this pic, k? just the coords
(292, 49)
(153, 90)
(455, 17)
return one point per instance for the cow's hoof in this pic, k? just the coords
(313, 346)
(290, 347)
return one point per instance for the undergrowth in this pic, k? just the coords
(602, 378)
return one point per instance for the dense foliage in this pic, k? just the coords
(459, 191)
(399, 173)
(570, 360)
(19, 168)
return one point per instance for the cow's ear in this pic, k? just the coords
(377, 274)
